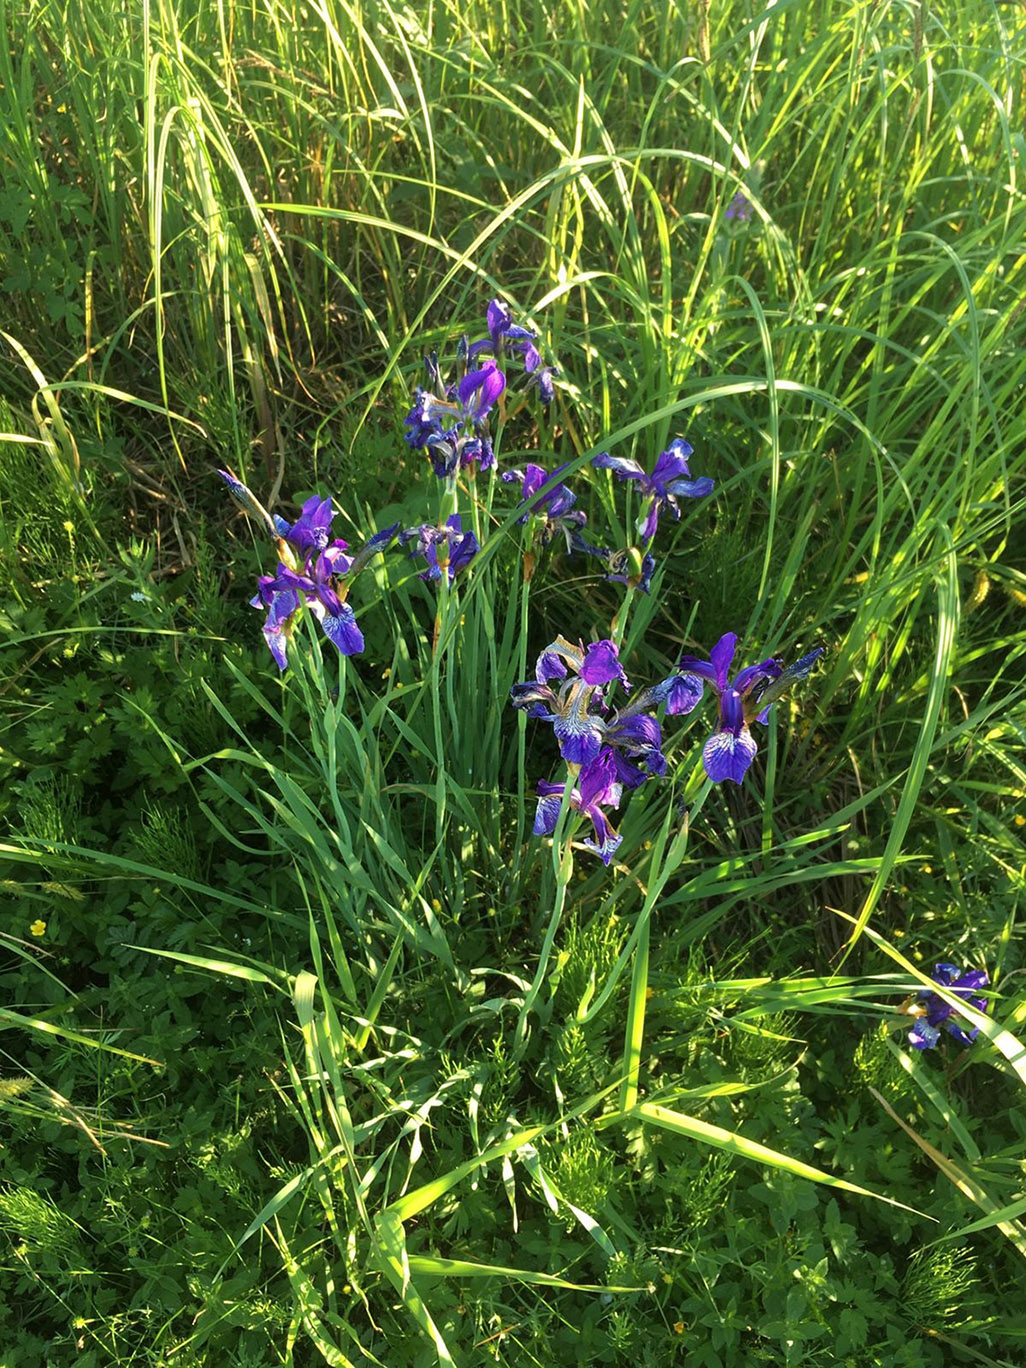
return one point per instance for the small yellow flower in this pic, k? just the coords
(68, 526)
(1020, 820)
(38, 928)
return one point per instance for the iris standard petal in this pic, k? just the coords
(704, 669)
(721, 658)
(601, 664)
(672, 464)
(499, 317)
(648, 525)
(753, 675)
(478, 391)
(732, 714)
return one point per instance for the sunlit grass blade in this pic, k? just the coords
(735, 1143)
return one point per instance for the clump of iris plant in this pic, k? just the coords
(576, 708)
(450, 422)
(313, 571)
(743, 699)
(669, 482)
(606, 749)
(583, 720)
(933, 1012)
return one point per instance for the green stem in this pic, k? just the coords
(636, 1013)
(563, 862)
(525, 600)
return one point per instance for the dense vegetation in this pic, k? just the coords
(313, 1053)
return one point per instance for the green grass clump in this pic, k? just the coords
(315, 1053)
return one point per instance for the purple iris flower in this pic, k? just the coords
(458, 548)
(597, 787)
(574, 709)
(309, 534)
(453, 426)
(478, 391)
(505, 335)
(624, 566)
(318, 586)
(555, 509)
(739, 207)
(667, 484)
(747, 697)
(582, 720)
(502, 331)
(544, 378)
(936, 1012)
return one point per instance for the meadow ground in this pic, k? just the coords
(314, 1051)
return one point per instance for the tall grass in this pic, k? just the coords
(505, 1077)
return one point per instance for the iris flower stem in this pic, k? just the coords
(563, 864)
(678, 848)
(436, 702)
(664, 862)
(525, 602)
(620, 619)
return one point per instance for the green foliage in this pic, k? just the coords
(319, 1056)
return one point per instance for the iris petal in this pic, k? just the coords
(721, 658)
(684, 694)
(339, 626)
(727, 756)
(923, 1036)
